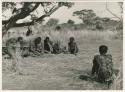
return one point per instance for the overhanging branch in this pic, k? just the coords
(47, 14)
(53, 9)
(24, 13)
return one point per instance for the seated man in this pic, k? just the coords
(25, 49)
(72, 46)
(103, 66)
(36, 47)
(56, 48)
(48, 45)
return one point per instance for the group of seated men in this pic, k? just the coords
(38, 47)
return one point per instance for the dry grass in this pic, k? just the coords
(63, 36)
(61, 71)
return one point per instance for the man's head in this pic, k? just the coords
(71, 39)
(47, 38)
(20, 39)
(103, 49)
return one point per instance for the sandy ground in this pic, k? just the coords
(61, 72)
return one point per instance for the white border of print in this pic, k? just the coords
(63, 1)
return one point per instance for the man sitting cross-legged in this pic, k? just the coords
(48, 47)
(72, 46)
(36, 47)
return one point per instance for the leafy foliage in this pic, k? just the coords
(70, 22)
(8, 5)
(52, 22)
(85, 15)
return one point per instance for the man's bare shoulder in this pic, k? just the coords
(107, 56)
(96, 56)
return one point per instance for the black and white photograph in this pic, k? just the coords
(67, 45)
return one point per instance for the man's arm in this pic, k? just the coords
(69, 47)
(76, 48)
(111, 62)
(94, 66)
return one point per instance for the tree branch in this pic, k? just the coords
(43, 7)
(4, 22)
(111, 12)
(32, 22)
(47, 14)
(23, 24)
(24, 13)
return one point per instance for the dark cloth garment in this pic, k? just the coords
(47, 46)
(72, 47)
(103, 67)
(29, 32)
